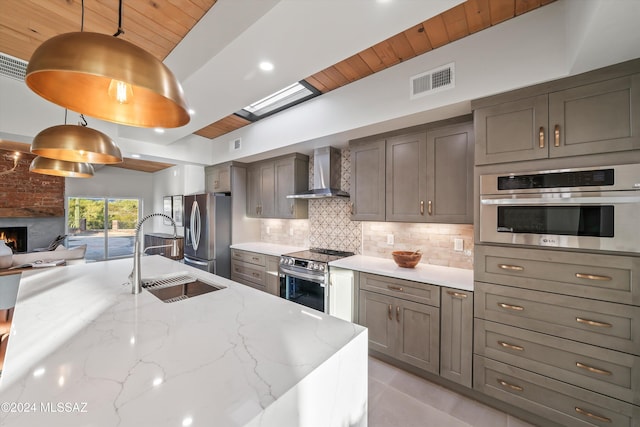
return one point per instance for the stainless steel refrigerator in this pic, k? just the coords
(207, 232)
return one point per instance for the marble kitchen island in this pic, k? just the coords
(84, 351)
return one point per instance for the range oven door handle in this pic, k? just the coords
(565, 201)
(305, 276)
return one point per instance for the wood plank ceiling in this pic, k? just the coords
(458, 22)
(158, 27)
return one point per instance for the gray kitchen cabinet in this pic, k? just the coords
(270, 181)
(586, 119)
(450, 174)
(399, 326)
(406, 171)
(292, 176)
(218, 178)
(555, 333)
(368, 180)
(456, 335)
(430, 175)
(257, 270)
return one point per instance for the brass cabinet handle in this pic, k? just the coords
(395, 288)
(390, 315)
(592, 369)
(257, 210)
(421, 207)
(255, 274)
(541, 143)
(457, 294)
(351, 208)
(556, 133)
(505, 384)
(510, 307)
(255, 258)
(397, 313)
(510, 346)
(592, 277)
(592, 415)
(593, 323)
(511, 267)
(291, 209)
(430, 207)
(216, 184)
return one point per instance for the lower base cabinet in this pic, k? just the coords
(456, 335)
(259, 271)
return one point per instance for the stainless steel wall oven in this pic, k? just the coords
(585, 208)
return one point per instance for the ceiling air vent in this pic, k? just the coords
(431, 81)
(11, 67)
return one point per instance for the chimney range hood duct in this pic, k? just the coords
(327, 168)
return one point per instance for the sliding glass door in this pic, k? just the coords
(105, 225)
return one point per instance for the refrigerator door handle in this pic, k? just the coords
(195, 225)
(193, 261)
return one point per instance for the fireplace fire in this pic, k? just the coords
(15, 238)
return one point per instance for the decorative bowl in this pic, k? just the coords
(407, 259)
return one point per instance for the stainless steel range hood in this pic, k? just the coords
(327, 169)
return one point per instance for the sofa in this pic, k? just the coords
(71, 256)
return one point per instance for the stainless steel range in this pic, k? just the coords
(304, 276)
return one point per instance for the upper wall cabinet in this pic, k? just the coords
(430, 176)
(270, 182)
(368, 180)
(587, 119)
(218, 178)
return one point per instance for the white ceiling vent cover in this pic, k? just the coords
(431, 81)
(11, 67)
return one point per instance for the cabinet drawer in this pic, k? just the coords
(600, 323)
(414, 291)
(565, 404)
(605, 371)
(603, 277)
(247, 272)
(250, 257)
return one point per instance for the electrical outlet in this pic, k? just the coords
(458, 245)
(290, 231)
(389, 239)
(268, 230)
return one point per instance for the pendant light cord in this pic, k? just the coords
(120, 30)
(81, 28)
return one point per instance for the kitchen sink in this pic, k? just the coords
(174, 288)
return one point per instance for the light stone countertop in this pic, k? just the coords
(84, 351)
(457, 278)
(272, 249)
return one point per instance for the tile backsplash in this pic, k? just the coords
(329, 226)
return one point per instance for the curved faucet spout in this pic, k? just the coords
(136, 277)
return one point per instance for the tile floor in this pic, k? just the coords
(400, 399)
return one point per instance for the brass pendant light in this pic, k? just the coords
(108, 78)
(56, 167)
(76, 143)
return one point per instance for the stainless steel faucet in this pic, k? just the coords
(135, 277)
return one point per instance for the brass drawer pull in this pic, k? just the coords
(430, 207)
(556, 142)
(511, 267)
(592, 415)
(255, 258)
(421, 207)
(505, 384)
(457, 294)
(395, 288)
(510, 307)
(593, 323)
(255, 274)
(592, 277)
(511, 346)
(398, 313)
(592, 369)
(541, 143)
(390, 315)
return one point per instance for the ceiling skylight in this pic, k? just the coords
(278, 101)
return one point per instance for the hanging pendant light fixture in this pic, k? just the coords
(108, 78)
(75, 143)
(57, 167)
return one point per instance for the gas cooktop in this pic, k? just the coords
(319, 255)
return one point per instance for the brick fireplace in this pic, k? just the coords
(31, 201)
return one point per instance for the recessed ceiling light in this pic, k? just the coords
(266, 66)
(159, 130)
